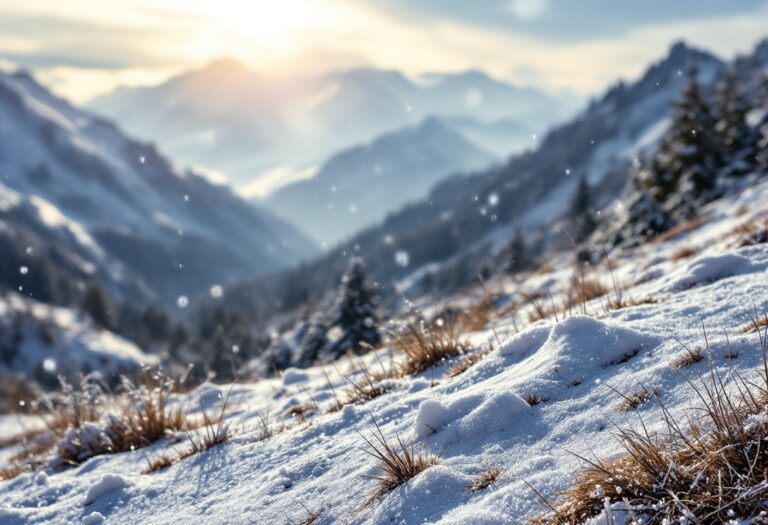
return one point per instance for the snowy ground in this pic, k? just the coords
(51, 340)
(481, 419)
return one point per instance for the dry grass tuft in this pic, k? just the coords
(214, 431)
(479, 314)
(300, 411)
(365, 388)
(485, 479)
(621, 301)
(690, 357)
(636, 399)
(680, 229)
(16, 394)
(469, 360)
(753, 233)
(535, 399)
(11, 471)
(713, 471)
(582, 290)
(310, 516)
(396, 463)
(161, 462)
(208, 433)
(755, 324)
(683, 253)
(424, 344)
(144, 419)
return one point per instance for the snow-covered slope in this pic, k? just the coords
(359, 186)
(234, 120)
(475, 215)
(40, 342)
(74, 181)
(566, 366)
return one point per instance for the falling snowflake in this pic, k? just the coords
(182, 301)
(493, 199)
(23, 270)
(49, 365)
(216, 291)
(402, 258)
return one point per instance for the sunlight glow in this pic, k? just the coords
(276, 25)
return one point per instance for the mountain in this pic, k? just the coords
(359, 186)
(40, 342)
(228, 118)
(77, 194)
(443, 240)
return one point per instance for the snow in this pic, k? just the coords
(59, 341)
(475, 421)
(708, 269)
(94, 518)
(108, 483)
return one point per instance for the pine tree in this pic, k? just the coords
(641, 216)
(355, 312)
(762, 127)
(683, 172)
(518, 257)
(737, 140)
(581, 213)
(94, 304)
(313, 342)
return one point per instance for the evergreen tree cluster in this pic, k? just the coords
(353, 318)
(709, 145)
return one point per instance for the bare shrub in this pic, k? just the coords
(683, 253)
(713, 471)
(469, 360)
(396, 463)
(485, 479)
(424, 344)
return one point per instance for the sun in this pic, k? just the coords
(274, 24)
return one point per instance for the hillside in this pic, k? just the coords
(543, 390)
(80, 197)
(467, 219)
(356, 188)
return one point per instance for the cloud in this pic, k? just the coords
(528, 9)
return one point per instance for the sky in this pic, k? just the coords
(83, 48)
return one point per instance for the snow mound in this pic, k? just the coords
(707, 270)
(578, 348)
(524, 342)
(108, 483)
(432, 416)
(488, 412)
(291, 376)
(94, 518)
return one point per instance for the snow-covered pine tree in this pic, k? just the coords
(762, 127)
(518, 257)
(736, 139)
(95, 304)
(581, 212)
(314, 341)
(355, 311)
(683, 172)
(640, 216)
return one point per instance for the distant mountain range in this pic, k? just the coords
(359, 186)
(228, 118)
(444, 238)
(79, 196)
